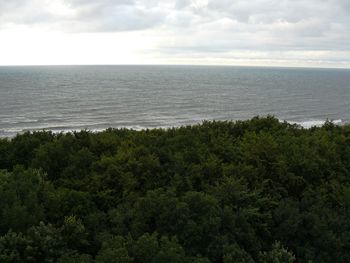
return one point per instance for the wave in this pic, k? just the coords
(314, 123)
(18, 120)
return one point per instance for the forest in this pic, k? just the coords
(249, 191)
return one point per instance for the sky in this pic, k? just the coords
(305, 33)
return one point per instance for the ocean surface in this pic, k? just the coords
(65, 98)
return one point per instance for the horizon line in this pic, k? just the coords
(189, 65)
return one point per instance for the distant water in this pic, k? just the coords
(67, 98)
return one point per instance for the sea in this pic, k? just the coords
(68, 98)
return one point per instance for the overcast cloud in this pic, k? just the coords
(256, 32)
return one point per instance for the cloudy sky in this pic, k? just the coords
(221, 32)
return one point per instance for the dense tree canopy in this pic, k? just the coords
(248, 191)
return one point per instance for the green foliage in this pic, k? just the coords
(278, 254)
(12, 247)
(20, 193)
(113, 250)
(75, 258)
(215, 192)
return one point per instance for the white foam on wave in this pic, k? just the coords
(314, 123)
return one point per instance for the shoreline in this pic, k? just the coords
(308, 124)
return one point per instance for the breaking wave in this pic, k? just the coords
(314, 123)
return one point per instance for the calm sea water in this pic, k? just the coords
(66, 98)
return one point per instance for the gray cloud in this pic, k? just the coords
(82, 15)
(205, 27)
